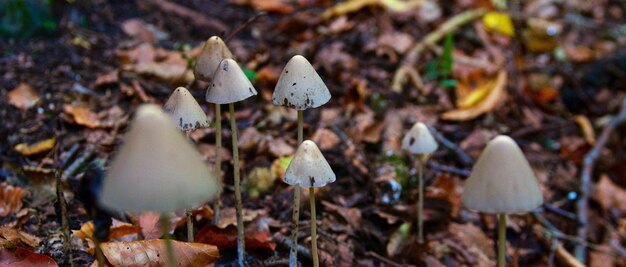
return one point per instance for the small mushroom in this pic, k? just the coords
(213, 52)
(419, 141)
(502, 183)
(231, 85)
(309, 169)
(185, 110)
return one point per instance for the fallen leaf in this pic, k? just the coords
(445, 188)
(351, 215)
(164, 71)
(107, 78)
(279, 148)
(475, 241)
(346, 7)
(11, 238)
(257, 236)
(610, 195)
(23, 97)
(279, 166)
(138, 29)
(118, 229)
(36, 148)
(10, 199)
(260, 181)
(325, 139)
(21, 257)
(153, 253)
(150, 225)
(401, 5)
(228, 216)
(499, 22)
(398, 239)
(276, 6)
(599, 257)
(585, 126)
(488, 104)
(82, 116)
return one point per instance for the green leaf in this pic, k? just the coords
(446, 61)
(250, 74)
(448, 83)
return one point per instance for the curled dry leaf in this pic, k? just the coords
(11, 238)
(488, 104)
(10, 199)
(23, 97)
(21, 257)
(152, 253)
(118, 229)
(83, 116)
(257, 236)
(36, 148)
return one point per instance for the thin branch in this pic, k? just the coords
(464, 157)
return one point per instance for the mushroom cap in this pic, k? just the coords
(309, 168)
(419, 140)
(185, 110)
(229, 84)
(213, 52)
(299, 86)
(157, 169)
(502, 180)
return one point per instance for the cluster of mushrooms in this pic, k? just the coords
(140, 177)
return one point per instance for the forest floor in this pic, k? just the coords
(550, 74)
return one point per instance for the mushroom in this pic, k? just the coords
(502, 183)
(309, 168)
(418, 141)
(213, 52)
(156, 169)
(231, 85)
(299, 87)
(187, 115)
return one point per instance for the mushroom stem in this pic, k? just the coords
(218, 160)
(420, 202)
(189, 213)
(295, 218)
(98, 252)
(300, 126)
(501, 240)
(313, 228)
(238, 205)
(169, 246)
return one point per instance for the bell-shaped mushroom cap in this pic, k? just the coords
(213, 52)
(157, 169)
(229, 84)
(309, 168)
(185, 110)
(299, 86)
(502, 180)
(419, 141)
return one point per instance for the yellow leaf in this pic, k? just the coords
(118, 229)
(153, 253)
(499, 22)
(496, 93)
(83, 116)
(400, 5)
(36, 148)
(476, 95)
(346, 7)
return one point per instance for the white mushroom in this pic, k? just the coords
(419, 140)
(213, 52)
(309, 168)
(185, 110)
(299, 86)
(229, 84)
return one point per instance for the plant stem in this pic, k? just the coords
(189, 214)
(420, 202)
(169, 246)
(218, 161)
(295, 218)
(65, 224)
(238, 205)
(313, 228)
(501, 240)
(98, 252)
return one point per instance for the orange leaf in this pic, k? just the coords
(153, 253)
(277, 6)
(227, 237)
(36, 148)
(10, 238)
(21, 257)
(83, 116)
(23, 97)
(118, 229)
(10, 199)
(488, 104)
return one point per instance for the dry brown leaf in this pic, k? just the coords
(23, 97)
(276, 6)
(476, 242)
(347, 7)
(150, 225)
(118, 229)
(279, 148)
(82, 116)
(10, 199)
(227, 216)
(138, 29)
(610, 195)
(152, 253)
(325, 139)
(585, 126)
(487, 105)
(11, 238)
(600, 257)
(36, 148)
(351, 215)
(21, 257)
(164, 71)
(107, 78)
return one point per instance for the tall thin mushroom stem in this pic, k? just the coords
(169, 246)
(295, 218)
(189, 212)
(501, 240)
(238, 205)
(218, 160)
(420, 202)
(313, 228)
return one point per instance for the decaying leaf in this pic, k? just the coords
(351, 215)
(21, 257)
(475, 241)
(351, 6)
(609, 195)
(107, 78)
(585, 126)
(260, 181)
(118, 229)
(398, 239)
(152, 253)
(36, 148)
(82, 116)
(228, 218)
(11, 238)
(10, 199)
(23, 97)
(257, 236)
(488, 104)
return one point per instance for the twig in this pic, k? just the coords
(286, 242)
(561, 253)
(560, 212)
(438, 167)
(464, 157)
(582, 206)
(383, 259)
(244, 25)
(196, 18)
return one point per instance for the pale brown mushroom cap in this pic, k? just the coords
(419, 140)
(229, 84)
(299, 86)
(157, 169)
(185, 110)
(213, 52)
(502, 180)
(309, 168)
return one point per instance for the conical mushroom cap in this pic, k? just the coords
(185, 110)
(502, 180)
(157, 169)
(229, 84)
(299, 86)
(419, 141)
(309, 168)
(213, 52)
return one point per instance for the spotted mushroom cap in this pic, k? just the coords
(213, 52)
(229, 84)
(185, 110)
(157, 168)
(299, 86)
(502, 180)
(309, 168)
(419, 140)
